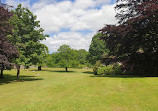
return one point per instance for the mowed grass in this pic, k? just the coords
(78, 90)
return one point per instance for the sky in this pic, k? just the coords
(70, 22)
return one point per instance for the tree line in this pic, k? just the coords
(133, 42)
(21, 45)
(66, 57)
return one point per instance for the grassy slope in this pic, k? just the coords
(76, 91)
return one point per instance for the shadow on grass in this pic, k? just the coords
(40, 70)
(88, 72)
(123, 76)
(10, 79)
(60, 71)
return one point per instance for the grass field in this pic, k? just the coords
(77, 90)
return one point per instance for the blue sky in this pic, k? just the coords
(71, 22)
(34, 1)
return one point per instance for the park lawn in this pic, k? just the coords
(78, 90)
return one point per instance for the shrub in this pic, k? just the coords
(105, 70)
(97, 65)
(110, 69)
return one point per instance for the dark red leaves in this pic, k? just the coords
(137, 31)
(7, 50)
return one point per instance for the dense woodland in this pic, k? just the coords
(130, 47)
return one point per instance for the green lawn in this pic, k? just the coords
(77, 90)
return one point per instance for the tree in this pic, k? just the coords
(77, 58)
(65, 56)
(97, 48)
(26, 35)
(82, 56)
(40, 57)
(53, 60)
(135, 40)
(7, 50)
(49, 60)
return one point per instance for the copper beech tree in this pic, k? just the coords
(134, 41)
(7, 50)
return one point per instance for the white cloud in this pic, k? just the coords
(53, 17)
(74, 39)
(75, 15)
(95, 19)
(79, 15)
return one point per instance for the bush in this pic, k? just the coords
(110, 69)
(97, 65)
(105, 70)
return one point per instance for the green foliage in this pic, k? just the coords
(97, 48)
(26, 35)
(82, 56)
(114, 69)
(105, 70)
(68, 57)
(96, 67)
(65, 55)
(49, 60)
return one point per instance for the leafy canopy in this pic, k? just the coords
(7, 50)
(135, 40)
(67, 57)
(26, 35)
(97, 49)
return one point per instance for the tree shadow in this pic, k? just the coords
(40, 70)
(61, 71)
(88, 72)
(10, 79)
(123, 76)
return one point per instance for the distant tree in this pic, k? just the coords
(76, 58)
(82, 56)
(74, 62)
(53, 60)
(26, 35)
(7, 50)
(65, 56)
(97, 49)
(49, 60)
(135, 40)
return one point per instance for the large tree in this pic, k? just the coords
(26, 35)
(135, 40)
(97, 49)
(7, 50)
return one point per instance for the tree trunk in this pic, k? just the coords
(39, 68)
(66, 69)
(18, 71)
(2, 68)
